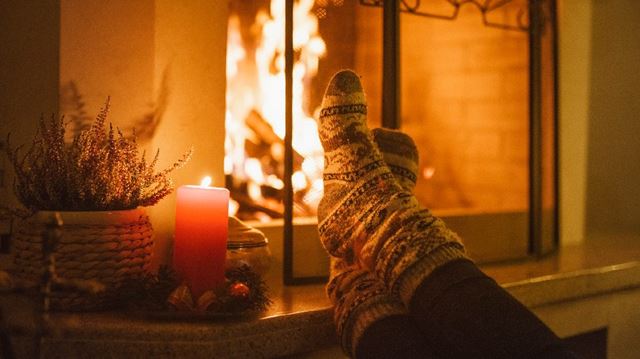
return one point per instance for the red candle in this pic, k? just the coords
(200, 244)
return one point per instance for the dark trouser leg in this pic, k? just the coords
(465, 314)
(395, 336)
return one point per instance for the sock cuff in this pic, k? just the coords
(411, 278)
(366, 313)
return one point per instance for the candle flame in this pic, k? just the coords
(206, 182)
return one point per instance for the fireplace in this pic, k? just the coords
(473, 82)
(478, 98)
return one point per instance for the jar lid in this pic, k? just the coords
(242, 235)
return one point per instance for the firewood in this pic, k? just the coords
(268, 137)
(246, 203)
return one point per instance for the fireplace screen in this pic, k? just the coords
(471, 81)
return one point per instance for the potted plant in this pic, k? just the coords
(99, 184)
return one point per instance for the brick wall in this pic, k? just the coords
(464, 100)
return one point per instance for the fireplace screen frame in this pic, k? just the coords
(541, 13)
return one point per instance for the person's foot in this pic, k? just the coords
(365, 215)
(355, 175)
(359, 298)
(400, 155)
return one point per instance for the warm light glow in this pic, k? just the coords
(263, 217)
(298, 181)
(253, 169)
(428, 172)
(261, 88)
(228, 165)
(235, 51)
(275, 182)
(254, 191)
(206, 182)
(317, 46)
(317, 184)
(314, 195)
(312, 167)
(233, 207)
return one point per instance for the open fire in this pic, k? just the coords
(255, 126)
(467, 92)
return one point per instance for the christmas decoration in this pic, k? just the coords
(243, 292)
(148, 293)
(239, 290)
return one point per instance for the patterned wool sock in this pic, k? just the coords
(359, 298)
(365, 215)
(400, 154)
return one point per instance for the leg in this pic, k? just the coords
(466, 314)
(365, 312)
(393, 337)
(365, 216)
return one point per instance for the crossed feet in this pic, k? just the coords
(382, 243)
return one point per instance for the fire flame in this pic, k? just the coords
(262, 89)
(206, 181)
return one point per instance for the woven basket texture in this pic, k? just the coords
(107, 246)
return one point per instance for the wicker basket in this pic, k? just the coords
(109, 247)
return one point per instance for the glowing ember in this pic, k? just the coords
(253, 169)
(233, 207)
(299, 181)
(255, 126)
(428, 172)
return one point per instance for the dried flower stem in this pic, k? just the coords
(100, 170)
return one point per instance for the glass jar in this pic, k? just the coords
(247, 246)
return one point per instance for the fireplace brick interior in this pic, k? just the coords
(464, 99)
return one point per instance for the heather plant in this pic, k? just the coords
(99, 170)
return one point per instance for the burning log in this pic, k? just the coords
(262, 128)
(268, 141)
(248, 204)
(269, 203)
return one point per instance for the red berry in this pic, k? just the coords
(239, 290)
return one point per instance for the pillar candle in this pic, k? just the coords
(200, 244)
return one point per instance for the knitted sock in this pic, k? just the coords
(400, 154)
(364, 214)
(359, 298)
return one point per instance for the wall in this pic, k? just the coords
(30, 37)
(190, 50)
(162, 62)
(574, 63)
(599, 51)
(107, 49)
(598, 113)
(465, 101)
(613, 197)
(615, 311)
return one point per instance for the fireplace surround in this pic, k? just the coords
(502, 145)
(161, 63)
